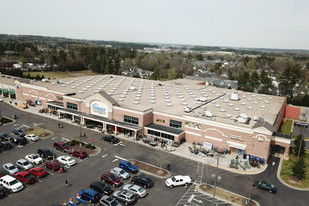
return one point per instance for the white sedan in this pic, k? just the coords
(66, 160)
(24, 164)
(32, 137)
(34, 158)
(135, 189)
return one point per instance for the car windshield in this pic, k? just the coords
(141, 190)
(70, 159)
(272, 186)
(12, 167)
(41, 170)
(5, 135)
(122, 172)
(129, 164)
(35, 156)
(19, 130)
(26, 163)
(64, 145)
(113, 178)
(13, 182)
(173, 179)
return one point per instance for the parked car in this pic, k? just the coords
(101, 188)
(90, 195)
(127, 166)
(24, 164)
(127, 197)
(301, 124)
(38, 172)
(19, 132)
(11, 183)
(66, 160)
(142, 180)
(110, 138)
(177, 180)
(5, 137)
(112, 179)
(2, 192)
(265, 186)
(53, 165)
(81, 154)
(64, 147)
(46, 153)
(34, 158)
(1, 174)
(120, 173)
(135, 189)
(109, 201)
(10, 168)
(5, 145)
(26, 177)
(32, 137)
(20, 140)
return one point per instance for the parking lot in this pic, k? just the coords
(51, 189)
(300, 129)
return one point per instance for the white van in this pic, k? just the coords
(11, 183)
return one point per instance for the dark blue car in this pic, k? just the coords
(89, 195)
(265, 186)
(127, 166)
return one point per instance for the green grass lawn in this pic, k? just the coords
(286, 172)
(286, 127)
(51, 75)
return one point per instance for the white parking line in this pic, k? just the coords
(104, 155)
(54, 138)
(118, 143)
(65, 139)
(115, 160)
(15, 125)
(39, 180)
(50, 173)
(120, 158)
(122, 145)
(26, 126)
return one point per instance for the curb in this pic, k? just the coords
(95, 154)
(286, 184)
(150, 173)
(222, 199)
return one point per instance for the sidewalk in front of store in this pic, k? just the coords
(182, 150)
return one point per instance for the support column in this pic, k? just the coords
(135, 133)
(115, 133)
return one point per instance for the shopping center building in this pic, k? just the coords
(174, 111)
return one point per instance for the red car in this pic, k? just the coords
(112, 179)
(53, 165)
(38, 172)
(81, 154)
(25, 177)
(1, 174)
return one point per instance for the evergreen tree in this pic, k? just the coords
(255, 80)
(289, 78)
(299, 169)
(300, 144)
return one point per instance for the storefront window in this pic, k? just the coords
(71, 106)
(160, 134)
(131, 120)
(175, 124)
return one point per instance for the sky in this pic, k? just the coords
(282, 24)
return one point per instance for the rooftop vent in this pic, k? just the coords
(235, 96)
(187, 109)
(208, 113)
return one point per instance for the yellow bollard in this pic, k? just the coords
(195, 188)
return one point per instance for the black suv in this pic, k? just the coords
(19, 132)
(20, 140)
(111, 139)
(5, 145)
(144, 181)
(46, 153)
(5, 137)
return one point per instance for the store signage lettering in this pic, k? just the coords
(161, 120)
(97, 109)
(237, 137)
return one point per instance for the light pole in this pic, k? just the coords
(80, 123)
(216, 177)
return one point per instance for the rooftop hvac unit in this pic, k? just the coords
(132, 88)
(202, 99)
(254, 118)
(245, 116)
(45, 80)
(235, 96)
(187, 109)
(241, 120)
(208, 113)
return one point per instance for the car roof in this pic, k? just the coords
(117, 169)
(22, 172)
(22, 160)
(91, 191)
(124, 161)
(8, 178)
(98, 183)
(8, 164)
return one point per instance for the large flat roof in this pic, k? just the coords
(171, 97)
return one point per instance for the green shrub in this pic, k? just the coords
(88, 145)
(92, 147)
(74, 142)
(89, 125)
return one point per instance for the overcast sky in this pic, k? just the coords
(238, 23)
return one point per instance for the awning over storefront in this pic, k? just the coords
(12, 92)
(55, 104)
(164, 129)
(237, 145)
(101, 119)
(5, 91)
